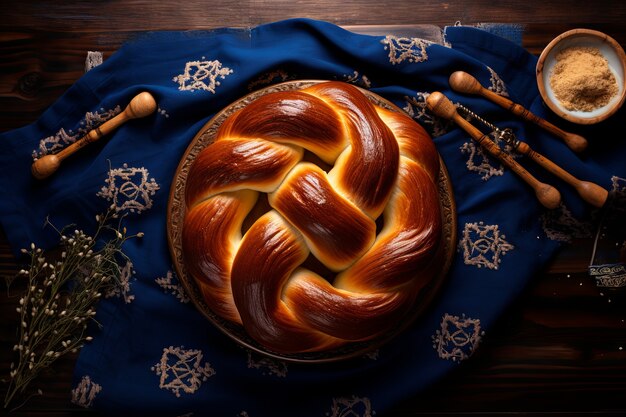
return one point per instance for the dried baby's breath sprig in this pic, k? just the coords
(60, 299)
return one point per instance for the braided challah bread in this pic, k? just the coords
(313, 219)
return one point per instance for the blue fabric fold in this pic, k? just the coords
(153, 340)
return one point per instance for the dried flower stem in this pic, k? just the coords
(61, 296)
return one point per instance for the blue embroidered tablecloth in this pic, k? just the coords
(155, 353)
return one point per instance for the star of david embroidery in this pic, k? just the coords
(267, 365)
(62, 138)
(458, 337)
(351, 407)
(85, 392)
(416, 108)
(182, 370)
(202, 75)
(171, 284)
(483, 245)
(129, 189)
(123, 290)
(405, 49)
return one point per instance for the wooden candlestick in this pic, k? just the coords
(141, 105)
(441, 106)
(465, 83)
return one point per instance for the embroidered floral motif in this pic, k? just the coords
(182, 369)
(351, 407)
(479, 162)
(267, 366)
(273, 77)
(202, 75)
(405, 49)
(123, 290)
(356, 79)
(560, 225)
(129, 189)
(85, 392)
(63, 137)
(483, 245)
(497, 85)
(416, 108)
(170, 284)
(457, 338)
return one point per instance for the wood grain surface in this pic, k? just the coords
(559, 350)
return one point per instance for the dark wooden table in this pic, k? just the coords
(559, 350)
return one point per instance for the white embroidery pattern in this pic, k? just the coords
(182, 369)
(483, 245)
(85, 392)
(202, 75)
(357, 79)
(163, 112)
(457, 338)
(63, 137)
(351, 407)
(123, 290)
(405, 49)
(497, 85)
(170, 284)
(416, 108)
(267, 366)
(129, 189)
(618, 184)
(479, 162)
(560, 225)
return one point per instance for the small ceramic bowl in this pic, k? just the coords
(616, 59)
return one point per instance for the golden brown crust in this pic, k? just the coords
(367, 170)
(335, 229)
(269, 253)
(381, 163)
(212, 235)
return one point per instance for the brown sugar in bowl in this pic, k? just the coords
(592, 40)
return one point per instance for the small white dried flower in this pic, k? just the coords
(140, 234)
